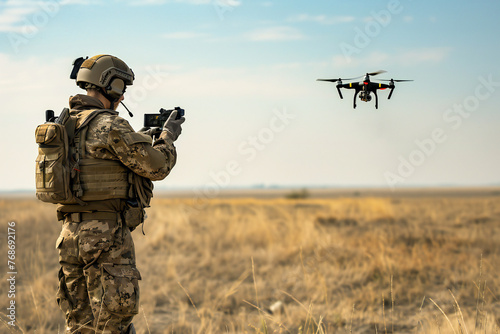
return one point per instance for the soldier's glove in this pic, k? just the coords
(152, 132)
(172, 127)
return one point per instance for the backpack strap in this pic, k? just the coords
(91, 116)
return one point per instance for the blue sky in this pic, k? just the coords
(245, 71)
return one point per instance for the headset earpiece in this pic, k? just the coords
(116, 88)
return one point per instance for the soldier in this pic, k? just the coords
(98, 280)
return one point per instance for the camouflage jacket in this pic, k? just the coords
(111, 137)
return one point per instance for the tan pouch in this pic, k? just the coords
(133, 216)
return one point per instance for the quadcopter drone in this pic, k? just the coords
(365, 87)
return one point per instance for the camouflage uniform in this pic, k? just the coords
(98, 279)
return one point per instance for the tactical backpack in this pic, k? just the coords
(58, 160)
(52, 165)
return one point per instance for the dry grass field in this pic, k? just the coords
(394, 264)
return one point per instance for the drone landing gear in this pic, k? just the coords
(338, 90)
(390, 94)
(355, 95)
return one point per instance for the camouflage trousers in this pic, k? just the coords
(98, 280)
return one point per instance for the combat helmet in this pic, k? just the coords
(106, 72)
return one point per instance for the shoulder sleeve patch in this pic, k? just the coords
(135, 137)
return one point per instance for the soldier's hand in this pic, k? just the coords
(172, 127)
(152, 132)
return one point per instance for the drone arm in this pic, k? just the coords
(350, 85)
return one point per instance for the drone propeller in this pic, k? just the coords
(339, 79)
(376, 73)
(330, 80)
(335, 80)
(393, 80)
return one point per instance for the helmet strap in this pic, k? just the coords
(114, 100)
(109, 98)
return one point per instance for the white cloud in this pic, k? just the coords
(12, 18)
(27, 16)
(322, 19)
(275, 34)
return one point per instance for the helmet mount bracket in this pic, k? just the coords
(76, 67)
